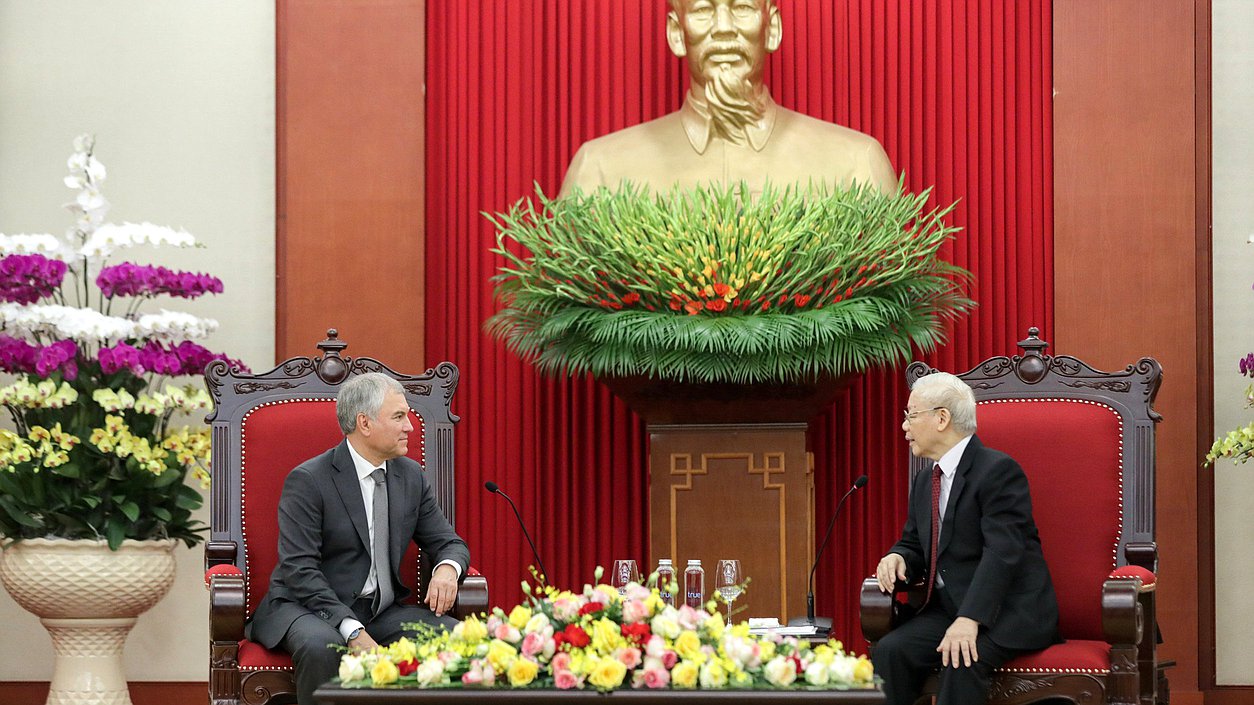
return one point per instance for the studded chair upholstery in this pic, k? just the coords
(263, 426)
(1085, 439)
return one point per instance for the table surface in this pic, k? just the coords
(335, 695)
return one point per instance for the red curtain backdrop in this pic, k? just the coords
(958, 91)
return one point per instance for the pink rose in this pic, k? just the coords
(669, 659)
(532, 644)
(634, 611)
(472, 677)
(507, 633)
(688, 618)
(656, 678)
(560, 662)
(629, 657)
(566, 680)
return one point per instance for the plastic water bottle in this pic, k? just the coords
(666, 580)
(694, 584)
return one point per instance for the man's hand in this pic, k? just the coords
(892, 568)
(960, 640)
(442, 590)
(363, 642)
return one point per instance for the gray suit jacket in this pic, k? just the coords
(324, 543)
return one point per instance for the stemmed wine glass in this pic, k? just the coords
(625, 572)
(728, 581)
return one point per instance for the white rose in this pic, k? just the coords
(780, 671)
(430, 671)
(841, 669)
(351, 669)
(816, 674)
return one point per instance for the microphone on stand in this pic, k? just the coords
(496, 489)
(823, 625)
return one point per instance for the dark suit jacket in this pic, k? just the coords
(324, 541)
(989, 554)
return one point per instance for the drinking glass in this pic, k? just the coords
(729, 581)
(625, 571)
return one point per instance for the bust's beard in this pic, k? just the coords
(733, 103)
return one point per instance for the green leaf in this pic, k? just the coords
(130, 510)
(16, 513)
(115, 532)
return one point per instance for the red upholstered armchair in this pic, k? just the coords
(263, 426)
(1086, 441)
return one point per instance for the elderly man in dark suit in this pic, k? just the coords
(345, 519)
(970, 535)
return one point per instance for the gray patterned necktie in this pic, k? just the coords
(379, 562)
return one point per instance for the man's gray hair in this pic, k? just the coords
(363, 394)
(946, 390)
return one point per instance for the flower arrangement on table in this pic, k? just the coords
(597, 639)
(95, 452)
(1237, 444)
(718, 285)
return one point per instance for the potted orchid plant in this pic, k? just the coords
(94, 467)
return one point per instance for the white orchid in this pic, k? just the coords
(40, 243)
(82, 325)
(110, 236)
(174, 326)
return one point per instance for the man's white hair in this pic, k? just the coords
(946, 390)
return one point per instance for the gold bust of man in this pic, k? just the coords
(729, 129)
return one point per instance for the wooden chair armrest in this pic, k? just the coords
(226, 607)
(876, 609)
(1122, 615)
(472, 597)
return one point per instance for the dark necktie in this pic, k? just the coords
(379, 562)
(931, 568)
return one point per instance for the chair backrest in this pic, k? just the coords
(1085, 439)
(264, 425)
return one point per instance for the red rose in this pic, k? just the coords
(407, 667)
(591, 607)
(638, 633)
(716, 305)
(576, 636)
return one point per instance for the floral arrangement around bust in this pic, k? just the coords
(597, 639)
(95, 452)
(717, 284)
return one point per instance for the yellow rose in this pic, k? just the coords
(684, 675)
(713, 675)
(768, 651)
(714, 626)
(863, 671)
(607, 674)
(384, 672)
(518, 617)
(605, 636)
(501, 655)
(473, 630)
(688, 645)
(522, 671)
(403, 650)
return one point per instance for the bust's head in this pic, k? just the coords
(723, 38)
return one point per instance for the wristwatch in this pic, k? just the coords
(354, 634)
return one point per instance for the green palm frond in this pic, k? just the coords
(713, 284)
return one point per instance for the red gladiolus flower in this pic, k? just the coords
(631, 298)
(407, 667)
(716, 305)
(576, 636)
(766, 305)
(801, 299)
(783, 299)
(676, 304)
(721, 289)
(694, 307)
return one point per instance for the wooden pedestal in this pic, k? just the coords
(743, 491)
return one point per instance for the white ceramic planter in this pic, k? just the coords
(88, 598)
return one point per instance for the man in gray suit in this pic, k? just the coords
(345, 519)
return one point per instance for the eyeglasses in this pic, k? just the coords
(909, 415)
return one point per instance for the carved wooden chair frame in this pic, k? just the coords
(236, 394)
(1136, 674)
